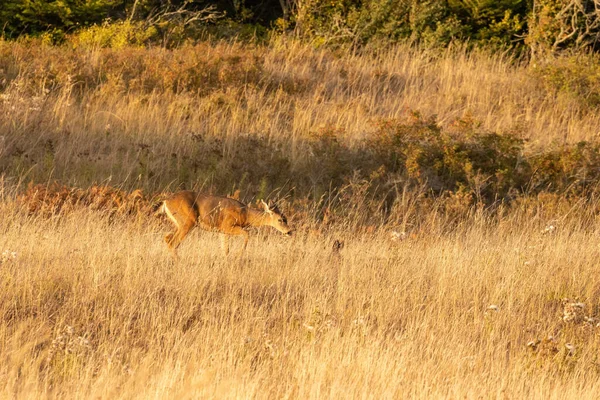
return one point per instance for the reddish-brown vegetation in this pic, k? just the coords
(55, 198)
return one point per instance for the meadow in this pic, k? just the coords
(479, 282)
(94, 307)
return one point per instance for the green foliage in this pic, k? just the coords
(543, 26)
(573, 170)
(576, 76)
(459, 164)
(376, 20)
(31, 16)
(503, 32)
(178, 20)
(556, 24)
(431, 22)
(462, 158)
(115, 35)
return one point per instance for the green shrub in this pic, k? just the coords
(115, 35)
(576, 76)
(431, 22)
(567, 169)
(36, 16)
(462, 158)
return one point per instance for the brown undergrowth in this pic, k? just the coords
(51, 199)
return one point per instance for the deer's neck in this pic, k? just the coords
(257, 217)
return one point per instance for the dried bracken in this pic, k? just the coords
(54, 198)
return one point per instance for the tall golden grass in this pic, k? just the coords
(92, 305)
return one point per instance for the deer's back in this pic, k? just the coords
(209, 212)
(214, 210)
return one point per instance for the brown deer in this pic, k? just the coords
(218, 214)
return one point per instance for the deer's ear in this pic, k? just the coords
(265, 206)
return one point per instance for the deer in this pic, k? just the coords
(231, 217)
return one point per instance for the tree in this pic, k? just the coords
(560, 24)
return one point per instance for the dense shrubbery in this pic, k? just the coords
(432, 22)
(491, 168)
(167, 22)
(544, 26)
(576, 76)
(412, 153)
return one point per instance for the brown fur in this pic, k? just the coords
(187, 209)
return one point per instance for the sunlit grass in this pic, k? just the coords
(97, 308)
(419, 297)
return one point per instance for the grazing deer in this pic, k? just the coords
(221, 214)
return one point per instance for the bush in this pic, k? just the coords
(462, 158)
(36, 16)
(115, 35)
(557, 25)
(576, 76)
(432, 22)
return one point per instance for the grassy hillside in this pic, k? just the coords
(456, 180)
(82, 115)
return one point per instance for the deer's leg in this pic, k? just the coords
(246, 237)
(169, 238)
(236, 230)
(225, 243)
(184, 218)
(178, 236)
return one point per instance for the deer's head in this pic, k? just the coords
(275, 218)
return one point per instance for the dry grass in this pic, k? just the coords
(138, 115)
(94, 307)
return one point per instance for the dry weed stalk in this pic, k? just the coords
(67, 342)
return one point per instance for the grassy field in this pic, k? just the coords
(96, 308)
(429, 297)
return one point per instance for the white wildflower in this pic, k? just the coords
(573, 312)
(571, 348)
(7, 256)
(398, 236)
